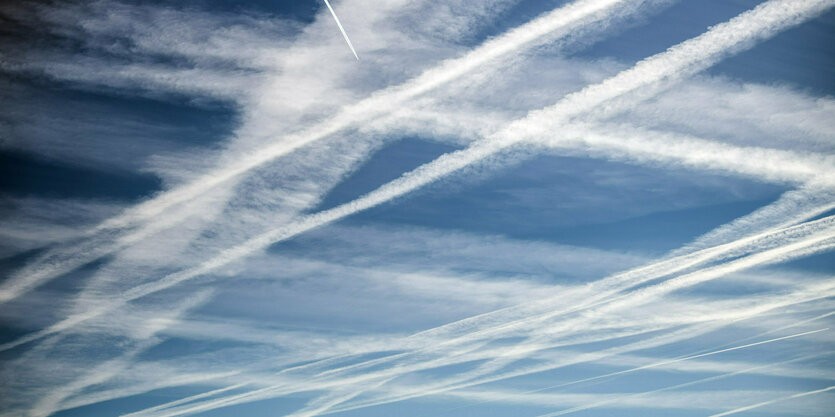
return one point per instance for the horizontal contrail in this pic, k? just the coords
(291, 387)
(341, 29)
(270, 392)
(486, 353)
(557, 23)
(642, 146)
(683, 59)
(764, 403)
(761, 306)
(524, 397)
(637, 297)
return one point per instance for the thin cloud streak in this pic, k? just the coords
(466, 380)
(555, 24)
(761, 307)
(526, 397)
(764, 403)
(686, 58)
(630, 300)
(341, 29)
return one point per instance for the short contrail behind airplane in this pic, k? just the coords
(341, 29)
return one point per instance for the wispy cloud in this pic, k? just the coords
(342, 307)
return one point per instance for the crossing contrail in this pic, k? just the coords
(558, 23)
(341, 29)
(683, 59)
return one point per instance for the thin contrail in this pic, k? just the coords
(758, 405)
(660, 287)
(555, 24)
(341, 29)
(681, 60)
(289, 387)
(273, 391)
(686, 358)
(522, 396)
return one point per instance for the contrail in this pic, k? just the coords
(270, 392)
(288, 387)
(341, 29)
(657, 288)
(643, 295)
(555, 24)
(681, 60)
(648, 146)
(522, 396)
(686, 358)
(52, 401)
(751, 407)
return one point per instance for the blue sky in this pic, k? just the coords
(502, 208)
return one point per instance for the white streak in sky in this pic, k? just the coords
(555, 24)
(341, 29)
(526, 397)
(289, 387)
(681, 60)
(764, 403)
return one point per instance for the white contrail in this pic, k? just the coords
(52, 401)
(683, 59)
(271, 392)
(791, 208)
(647, 146)
(524, 397)
(341, 29)
(758, 405)
(362, 380)
(637, 297)
(555, 24)
(496, 323)
(761, 306)
(643, 295)
(686, 358)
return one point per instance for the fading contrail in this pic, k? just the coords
(639, 296)
(466, 381)
(523, 397)
(341, 29)
(555, 24)
(764, 403)
(681, 60)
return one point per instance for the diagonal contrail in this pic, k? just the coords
(764, 403)
(681, 60)
(341, 29)
(556, 24)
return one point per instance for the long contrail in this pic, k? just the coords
(683, 59)
(656, 364)
(341, 29)
(638, 297)
(764, 403)
(481, 354)
(524, 397)
(269, 392)
(290, 387)
(287, 387)
(555, 24)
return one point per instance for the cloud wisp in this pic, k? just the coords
(555, 24)
(679, 61)
(259, 280)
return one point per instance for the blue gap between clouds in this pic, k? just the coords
(23, 174)
(299, 10)
(490, 206)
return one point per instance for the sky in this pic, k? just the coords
(496, 208)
